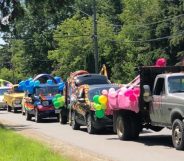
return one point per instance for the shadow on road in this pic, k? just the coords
(155, 140)
(47, 120)
(16, 127)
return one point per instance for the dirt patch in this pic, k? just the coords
(71, 152)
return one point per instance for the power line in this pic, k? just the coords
(150, 40)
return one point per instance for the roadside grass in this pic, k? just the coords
(15, 147)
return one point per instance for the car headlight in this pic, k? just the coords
(45, 103)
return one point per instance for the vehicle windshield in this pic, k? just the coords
(176, 84)
(98, 91)
(2, 91)
(46, 91)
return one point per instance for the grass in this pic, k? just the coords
(15, 147)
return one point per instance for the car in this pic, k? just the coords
(13, 98)
(83, 111)
(2, 91)
(39, 104)
(75, 80)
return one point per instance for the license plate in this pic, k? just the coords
(57, 111)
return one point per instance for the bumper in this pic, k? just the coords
(49, 113)
(18, 106)
(102, 123)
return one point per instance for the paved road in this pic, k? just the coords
(150, 147)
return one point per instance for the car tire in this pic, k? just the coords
(89, 124)
(62, 119)
(178, 134)
(75, 125)
(28, 116)
(123, 126)
(8, 108)
(37, 116)
(136, 127)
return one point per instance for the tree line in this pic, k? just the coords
(56, 36)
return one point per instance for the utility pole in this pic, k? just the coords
(95, 36)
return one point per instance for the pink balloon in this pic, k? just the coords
(105, 92)
(111, 90)
(137, 91)
(132, 98)
(129, 93)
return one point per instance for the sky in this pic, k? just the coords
(1, 41)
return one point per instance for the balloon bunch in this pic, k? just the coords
(28, 85)
(100, 105)
(58, 101)
(60, 82)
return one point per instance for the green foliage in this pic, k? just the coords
(56, 36)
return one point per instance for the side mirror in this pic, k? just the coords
(81, 100)
(147, 93)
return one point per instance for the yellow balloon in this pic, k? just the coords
(103, 99)
(104, 107)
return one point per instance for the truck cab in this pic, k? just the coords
(168, 99)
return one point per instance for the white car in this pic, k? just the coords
(2, 91)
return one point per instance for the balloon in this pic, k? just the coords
(27, 83)
(102, 99)
(132, 98)
(111, 90)
(58, 79)
(97, 106)
(56, 104)
(61, 86)
(54, 99)
(31, 83)
(36, 83)
(105, 92)
(57, 96)
(103, 107)
(99, 113)
(95, 98)
(49, 81)
(30, 79)
(137, 91)
(129, 92)
(60, 99)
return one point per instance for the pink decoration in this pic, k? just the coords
(161, 62)
(137, 91)
(105, 92)
(129, 92)
(132, 98)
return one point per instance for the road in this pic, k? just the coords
(151, 146)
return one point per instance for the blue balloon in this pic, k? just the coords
(27, 83)
(49, 81)
(58, 79)
(36, 83)
(61, 86)
(30, 79)
(31, 83)
(30, 89)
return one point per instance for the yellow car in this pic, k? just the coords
(13, 99)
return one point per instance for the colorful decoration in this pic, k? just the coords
(58, 101)
(5, 83)
(100, 105)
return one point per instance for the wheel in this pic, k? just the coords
(8, 108)
(75, 125)
(123, 126)
(90, 127)
(178, 134)
(62, 119)
(135, 127)
(28, 116)
(37, 116)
